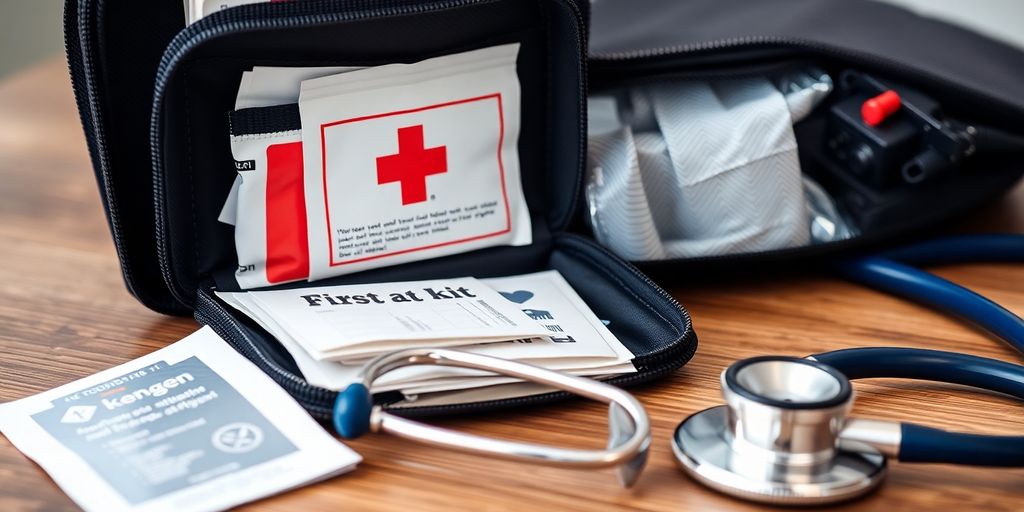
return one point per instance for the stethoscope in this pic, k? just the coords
(629, 429)
(783, 435)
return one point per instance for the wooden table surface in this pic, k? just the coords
(64, 314)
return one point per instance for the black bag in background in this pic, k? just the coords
(975, 79)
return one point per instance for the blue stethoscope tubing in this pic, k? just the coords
(924, 444)
(892, 272)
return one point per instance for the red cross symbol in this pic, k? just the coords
(412, 164)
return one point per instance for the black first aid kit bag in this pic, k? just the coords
(154, 95)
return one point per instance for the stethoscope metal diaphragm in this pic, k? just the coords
(777, 439)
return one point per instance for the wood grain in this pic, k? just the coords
(64, 314)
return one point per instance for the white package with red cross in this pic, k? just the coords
(406, 162)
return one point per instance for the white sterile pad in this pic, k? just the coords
(406, 162)
(258, 156)
(267, 86)
(196, 10)
(193, 426)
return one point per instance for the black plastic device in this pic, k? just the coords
(910, 143)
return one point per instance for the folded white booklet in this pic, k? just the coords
(574, 340)
(193, 426)
(355, 322)
(406, 162)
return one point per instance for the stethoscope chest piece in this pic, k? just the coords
(777, 438)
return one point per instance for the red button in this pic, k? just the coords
(879, 108)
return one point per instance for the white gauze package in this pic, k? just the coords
(694, 168)
(406, 162)
(270, 228)
(265, 86)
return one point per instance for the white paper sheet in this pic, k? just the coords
(193, 426)
(582, 345)
(358, 321)
(196, 10)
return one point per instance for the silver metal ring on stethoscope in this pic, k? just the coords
(785, 437)
(777, 438)
(629, 426)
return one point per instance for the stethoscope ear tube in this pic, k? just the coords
(629, 427)
(961, 249)
(924, 364)
(924, 444)
(906, 281)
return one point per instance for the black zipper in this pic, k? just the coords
(276, 15)
(79, 17)
(687, 321)
(318, 401)
(670, 357)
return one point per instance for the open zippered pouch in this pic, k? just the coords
(691, 98)
(175, 260)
